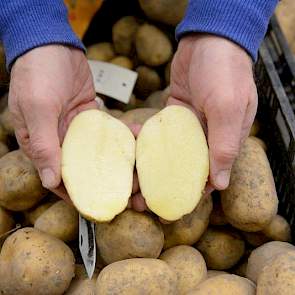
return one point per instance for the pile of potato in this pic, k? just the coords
(233, 242)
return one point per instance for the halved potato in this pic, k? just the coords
(172, 162)
(98, 156)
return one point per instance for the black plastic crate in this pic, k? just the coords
(283, 58)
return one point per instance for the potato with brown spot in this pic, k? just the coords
(148, 81)
(60, 220)
(278, 230)
(188, 264)
(190, 228)
(169, 12)
(103, 51)
(153, 47)
(222, 248)
(129, 235)
(225, 285)
(278, 276)
(20, 185)
(137, 276)
(250, 202)
(261, 256)
(32, 262)
(123, 34)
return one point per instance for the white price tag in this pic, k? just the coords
(112, 80)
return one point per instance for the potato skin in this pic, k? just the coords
(169, 12)
(137, 276)
(32, 262)
(148, 81)
(153, 47)
(278, 276)
(129, 235)
(123, 34)
(122, 61)
(225, 285)
(190, 228)
(60, 220)
(278, 230)
(188, 264)
(103, 51)
(6, 221)
(6, 121)
(3, 149)
(260, 257)
(213, 273)
(255, 239)
(217, 216)
(20, 185)
(33, 214)
(222, 248)
(250, 202)
(157, 99)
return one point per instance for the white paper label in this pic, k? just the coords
(112, 80)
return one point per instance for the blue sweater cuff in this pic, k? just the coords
(242, 21)
(25, 25)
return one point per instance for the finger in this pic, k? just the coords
(61, 192)
(44, 145)
(224, 119)
(208, 190)
(138, 202)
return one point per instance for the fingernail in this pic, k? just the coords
(222, 179)
(48, 178)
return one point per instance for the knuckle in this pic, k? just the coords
(40, 151)
(226, 153)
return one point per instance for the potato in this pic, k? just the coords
(137, 276)
(172, 164)
(250, 202)
(6, 221)
(278, 276)
(32, 262)
(222, 248)
(214, 273)
(98, 156)
(81, 284)
(169, 12)
(103, 51)
(3, 149)
(260, 257)
(278, 230)
(122, 61)
(129, 235)
(167, 73)
(115, 113)
(148, 81)
(138, 116)
(255, 128)
(3, 135)
(6, 121)
(241, 268)
(255, 239)
(188, 264)
(157, 99)
(189, 229)
(153, 47)
(32, 214)
(20, 185)
(260, 142)
(217, 216)
(61, 220)
(123, 34)
(225, 285)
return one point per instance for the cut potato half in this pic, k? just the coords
(98, 156)
(172, 162)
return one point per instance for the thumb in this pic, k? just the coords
(224, 132)
(44, 145)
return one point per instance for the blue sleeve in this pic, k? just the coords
(242, 21)
(26, 24)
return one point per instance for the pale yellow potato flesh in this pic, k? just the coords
(172, 162)
(98, 156)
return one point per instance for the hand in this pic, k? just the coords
(214, 77)
(49, 86)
